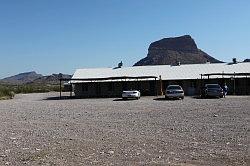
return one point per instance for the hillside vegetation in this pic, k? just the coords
(8, 91)
(30, 82)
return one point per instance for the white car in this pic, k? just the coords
(131, 94)
(174, 91)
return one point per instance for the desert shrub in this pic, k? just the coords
(6, 92)
(36, 88)
(30, 89)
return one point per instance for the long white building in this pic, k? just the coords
(151, 80)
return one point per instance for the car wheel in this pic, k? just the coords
(182, 97)
(166, 97)
(124, 98)
(137, 98)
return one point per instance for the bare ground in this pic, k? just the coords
(149, 131)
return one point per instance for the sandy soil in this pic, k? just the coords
(38, 130)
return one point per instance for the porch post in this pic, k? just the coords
(60, 88)
(234, 83)
(156, 87)
(161, 91)
(71, 89)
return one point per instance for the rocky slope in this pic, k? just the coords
(50, 79)
(21, 78)
(170, 51)
(34, 78)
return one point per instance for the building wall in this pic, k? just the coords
(190, 87)
(114, 89)
(238, 86)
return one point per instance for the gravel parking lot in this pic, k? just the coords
(37, 130)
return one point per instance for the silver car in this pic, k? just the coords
(174, 91)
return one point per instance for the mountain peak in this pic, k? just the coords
(183, 43)
(30, 72)
(169, 51)
(22, 78)
(33, 78)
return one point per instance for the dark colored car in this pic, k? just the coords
(212, 90)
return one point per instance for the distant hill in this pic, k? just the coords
(21, 78)
(170, 51)
(50, 79)
(33, 78)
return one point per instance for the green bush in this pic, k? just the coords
(6, 92)
(35, 88)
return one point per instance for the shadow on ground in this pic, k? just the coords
(194, 97)
(199, 97)
(60, 98)
(120, 99)
(164, 99)
(124, 99)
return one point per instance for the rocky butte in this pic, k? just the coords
(172, 51)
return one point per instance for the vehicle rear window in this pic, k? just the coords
(174, 87)
(213, 86)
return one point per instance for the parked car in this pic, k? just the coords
(212, 90)
(131, 94)
(174, 91)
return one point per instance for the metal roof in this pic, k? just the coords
(167, 72)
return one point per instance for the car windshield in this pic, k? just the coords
(214, 86)
(129, 91)
(174, 87)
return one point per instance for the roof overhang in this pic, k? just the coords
(79, 80)
(226, 74)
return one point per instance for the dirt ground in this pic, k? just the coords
(37, 129)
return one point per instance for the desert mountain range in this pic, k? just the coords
(167, 51)
(33, 78)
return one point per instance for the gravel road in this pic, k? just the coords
(37, 130)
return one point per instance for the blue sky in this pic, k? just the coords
(52, 36)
